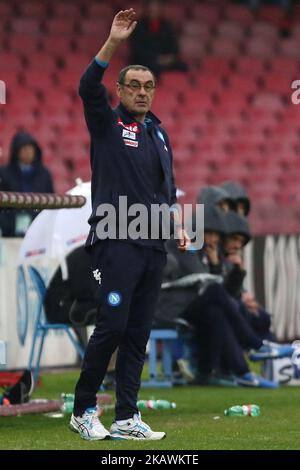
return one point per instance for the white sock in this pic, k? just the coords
(121, 422)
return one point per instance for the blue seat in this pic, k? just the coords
(163, 379)
(42, 327)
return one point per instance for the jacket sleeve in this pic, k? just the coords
(49, 182)
(3, 185)
(173, 188)
(97, 110)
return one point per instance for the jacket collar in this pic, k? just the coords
(128, 118)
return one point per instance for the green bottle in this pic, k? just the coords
(155, 405)
(68, 402)
(243, 410)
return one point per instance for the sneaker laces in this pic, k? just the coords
(137, 421)
(92, 420)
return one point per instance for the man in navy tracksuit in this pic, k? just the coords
(130, 156)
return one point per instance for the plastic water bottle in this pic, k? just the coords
(243, 410)
(155, 405)
(68, 402)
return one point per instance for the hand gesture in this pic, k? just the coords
(184, 241)
(123, 25)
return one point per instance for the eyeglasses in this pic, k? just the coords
(135, 85)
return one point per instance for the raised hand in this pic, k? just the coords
(123, 25)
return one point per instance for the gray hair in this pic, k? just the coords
(123, 72)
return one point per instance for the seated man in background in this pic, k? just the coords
(154, 42)
(25, 172)
(236, 238)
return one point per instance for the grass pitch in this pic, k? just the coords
(197, 422)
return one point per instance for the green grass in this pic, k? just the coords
(190, 426)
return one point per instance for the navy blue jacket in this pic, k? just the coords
(123, 158)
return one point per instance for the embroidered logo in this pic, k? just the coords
(131, 143)
(129, 134)
(114, 298)
(97, 276)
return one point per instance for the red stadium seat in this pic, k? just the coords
(230, 29)
(243, 84)
(249, 66)
(174, 12)
(57, 46)
(209, 80)
(217, 65)
(21, 115)
(197, 101)
(34, 8)
(278, 83)
(41, 61)
(5, 10)
(26, 26)
(234, 99)
(289, 47)
(239, 13)
(270, 101)
(175, 81)
(285, 66)
(61, 27)
(67, 10)
(95, 26)
(292, 112)
(100, 10)
(264, 30)
(76, 62)
(295, 30)
(196, 29)
(205, 12)
(68, 79)
(273, 14)
(225, 47)
(56, 99)
(11, 62)
(192, 51)
(55, 118)
(18, 43)
(38, 80)
(85, 44)
(259, 47)
(263, 116)
(11, 80)
(22, 97)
